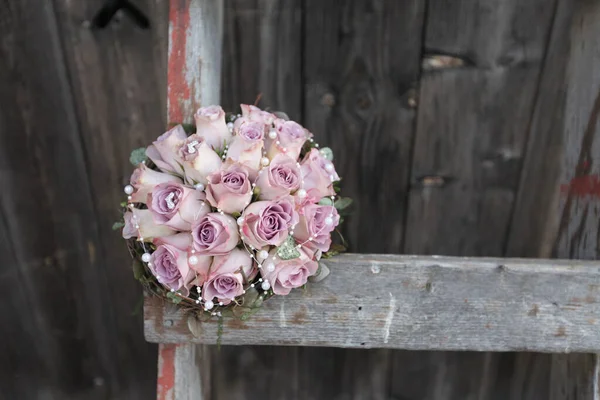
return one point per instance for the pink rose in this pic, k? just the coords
(163, 151)
(176, 206)
(226, 278)
(211, 126)
(215, 234)
(318, 173)
(144, 179)
(280, 178)
(289, 274)
(247, 144)
(290, 139)
(229, 189)
(255, 114)
(316, 223)
(141, 223)
(268, 222)
(170, 266)
(199, 159)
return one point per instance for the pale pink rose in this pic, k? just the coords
(288, 274)
(318, 173)
(247, 144)
(144, 179)
(199, 159)
(215, 234)
(282, 177)
(176, 206)
(254, 113)
(312, 196)
(170, 266)
(163, 151)
(268, 222)
(316, 223)
(140, 223)
(226, 279)
(229, 189)
(290, 139)
(211, 126)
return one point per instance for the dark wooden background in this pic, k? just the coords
(492, 154)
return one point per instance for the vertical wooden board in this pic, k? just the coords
(262, 50)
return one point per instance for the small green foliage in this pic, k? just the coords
(287, 250)
(327, 153)
(138, 270)
(137, 156)
(118, 225)
(326, 201)
(334, 250)
(174, 297)
(343, 202)
(124, 204)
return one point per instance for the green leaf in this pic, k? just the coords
(138, 270)
(326, 201)
(287, 250)
(327, 153)
(137, 156)
(118, 225)
(343, 202)
(174, 298)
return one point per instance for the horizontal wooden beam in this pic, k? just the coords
(418, 303)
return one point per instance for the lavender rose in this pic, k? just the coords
(211, 126)
(140, 223)
(215, 234)
(170, 266)
(144, 179)
(229, 189)
(290, 139)
(288, 274)
(316, 223)
(176, 206)
(163, 151)
(247, 144)
(198, 158)
(226, 278)
(318, 173)
(268, 222)
(282, 177)
(253, 113)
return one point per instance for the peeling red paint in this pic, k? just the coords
(582, 186)
(166, 371)
(177, 87)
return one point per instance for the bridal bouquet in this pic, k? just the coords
(230, 212)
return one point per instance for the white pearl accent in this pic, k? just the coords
(193, 260)
(230, 125)
(146, 257)
(128, 189)
(240, 221)
(301, 193)
(271, 267)
(263, 254)
(199, 186)
(265, 285)
(328, 221)
(264, 161)
(272, 134)
(208, 305)
(329, 167)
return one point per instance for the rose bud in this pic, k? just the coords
(215, 234)
(144, 179)
(199, 159)
(288, 274)
(290, 139)
(268, 222)
(316, 222)
(163, 151)
(146, 227)
(170, 266)
(253, 113)
(176, 206)
(247, 144)
(280, 178)
(226, 278)
(211, 126)
(318, 173)
(229, 189)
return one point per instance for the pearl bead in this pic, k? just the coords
(199, 186)
(240, 221)
(272, 134)
(128, 197)
(271, 267)
(208, 305)
(230, 125)
(328, 221)
(265, 285)
(263, 254)
(301, 193)
(264, 161)
(128, 189)
(329, 167)
(146, 257)
(193, 260)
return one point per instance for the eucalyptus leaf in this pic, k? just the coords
(138, 269)
(118, 225)
(137, 156)
(326, 201)
(287, 250)
(327, 153)
(174, 298)
(342, 203)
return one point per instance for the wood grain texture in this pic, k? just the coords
(179, 372)
(262, 52)
(420, 303)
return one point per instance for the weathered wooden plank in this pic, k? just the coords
(412, 302)
(179, 369)
(262, 50)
